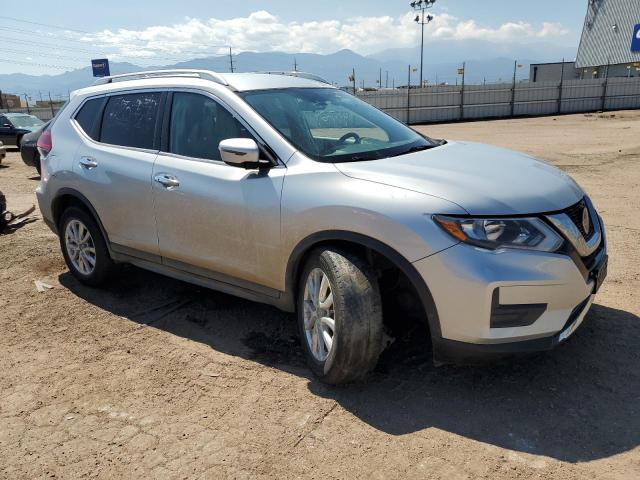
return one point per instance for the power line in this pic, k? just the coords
(83, 32)
(96, 53)
(159, 54)
(35, 64)
(39, 54)
(42, 24)
(53, 47)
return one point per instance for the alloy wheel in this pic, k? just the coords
(319, 315)
(80, 247)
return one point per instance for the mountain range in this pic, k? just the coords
(485, 61)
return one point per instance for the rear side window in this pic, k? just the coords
(89, 117)
(198, 125)
(130, 120)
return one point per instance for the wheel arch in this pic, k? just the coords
(68, 197)
(363, 243)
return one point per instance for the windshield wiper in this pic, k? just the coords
(418, 148)
(363, 158)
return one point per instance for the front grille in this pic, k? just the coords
(575, 213)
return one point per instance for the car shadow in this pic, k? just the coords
(577, 403)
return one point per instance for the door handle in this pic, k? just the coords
(167, 181)
(88, 163)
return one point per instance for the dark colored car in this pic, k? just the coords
(28, 147)
(13, 126)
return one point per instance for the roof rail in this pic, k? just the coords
(308, 76)
(204, 74)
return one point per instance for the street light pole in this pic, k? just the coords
(421, 6)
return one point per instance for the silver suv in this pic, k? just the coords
(284, 190)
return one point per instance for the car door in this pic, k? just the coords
(7, 132)
(213, 219)
(114, 163)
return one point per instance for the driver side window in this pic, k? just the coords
(198, 124)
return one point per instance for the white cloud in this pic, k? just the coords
(449, 27)
(262, 31)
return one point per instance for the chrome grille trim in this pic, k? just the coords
(572, 233)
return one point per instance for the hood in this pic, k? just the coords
(482, 179)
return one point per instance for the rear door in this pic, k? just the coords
(115, 163)
(7, 133)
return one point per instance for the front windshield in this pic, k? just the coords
(330, 125)
(26, 121)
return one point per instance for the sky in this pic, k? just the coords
(66, 34)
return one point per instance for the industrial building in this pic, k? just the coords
(9, 101)
(609, 46)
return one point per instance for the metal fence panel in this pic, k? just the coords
(444, 103)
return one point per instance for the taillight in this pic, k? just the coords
(45, 143)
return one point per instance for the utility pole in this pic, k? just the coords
(387, 82)
(421, 6)
(295, 65)
(464, 71)
(380, 81)
(353, 80)
(51, 105)
(231, 59)
(409, 96)
(513, 89)
(605, 86)
(26, 101)
(560, 88)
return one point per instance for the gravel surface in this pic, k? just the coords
(154, 378)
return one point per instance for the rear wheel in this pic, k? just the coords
(339, 316)
(84, 248)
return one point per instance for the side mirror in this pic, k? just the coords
(241, 152)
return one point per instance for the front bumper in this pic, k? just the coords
(465, 283)
(452, 351)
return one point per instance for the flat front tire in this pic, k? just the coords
(84, 248)
(339, 316)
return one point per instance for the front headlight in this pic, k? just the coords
(494, 233)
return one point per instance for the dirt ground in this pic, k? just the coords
(154, 378)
